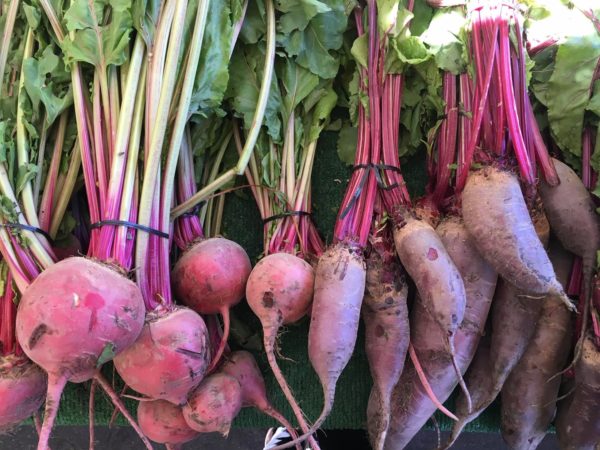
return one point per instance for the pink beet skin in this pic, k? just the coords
(74, 312)
(212, 275)
(22, 390)
(163, 423)
(214, 404)
(170, 357)
(280, 289)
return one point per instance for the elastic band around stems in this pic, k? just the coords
(22, 226)
(370, 167)
(285, 214)
(128, 224)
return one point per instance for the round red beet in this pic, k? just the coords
(169, 358)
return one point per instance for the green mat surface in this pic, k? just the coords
(242, 223)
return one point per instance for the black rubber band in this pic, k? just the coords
(370, 167)
(285, 214)
(127, 224)
(195, 210)
(22, 226)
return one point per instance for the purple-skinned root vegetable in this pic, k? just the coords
(411, 406)
(530, 392)
(22, 390)
(169, 358)
(72, 318)
(279, 291)
(340, 279)
(497, 219)
(214, 404)
(578, 418)
(387, 333)
(210, 277)
(163, 423)
(426, 260)
(514, 319)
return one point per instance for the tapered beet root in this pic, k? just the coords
(211, 278)
(411, 406)
(578, 419)
(169, 358)
(496, 217)
(279, 291)
(22, 390)
(387, 335)
(530, 392)
(513, 319)
(73, 317)
(163, 423)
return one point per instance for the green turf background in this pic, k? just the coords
(242, 224)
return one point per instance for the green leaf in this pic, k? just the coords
(34, 15)
(594, 103)
(212, 76)
(444, 36)
(322, 114)
(387, 15)
(47, 81)
(298, 13)
(346, 144)
(99, 45)
(108, 353)
(255, 24)
(246, 72)
(567, 93)
(25, 174)
(411, 50)
(297, 83)
(145, 15)
(313, 45)
(360, 50)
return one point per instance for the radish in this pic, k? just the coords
(163, 423)
(214, 404)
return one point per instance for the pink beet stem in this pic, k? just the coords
(219, 353)
(55, 388)
(91, 413)
(425, 383)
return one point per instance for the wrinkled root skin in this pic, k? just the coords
(22, 390)
(497, 218)
(169, 358)
(387, 335)
(578, 420)
(211, 275)
(411, 407)
(74, 312)
(530, 392)
(214, 404)
(163, 423)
